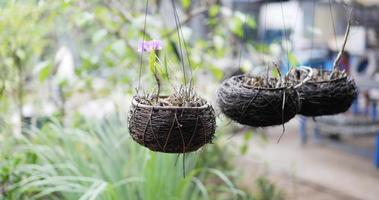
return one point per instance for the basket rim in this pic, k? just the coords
(327, 81)
(257, 88)
(135, 103)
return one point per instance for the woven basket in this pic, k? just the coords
(327, 97)
(171, 129)
(256, 107)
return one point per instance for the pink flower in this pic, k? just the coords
(148, 46)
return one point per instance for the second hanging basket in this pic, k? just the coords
(327, 97)
(254, 106)
(171, 129)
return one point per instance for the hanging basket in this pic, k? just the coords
(171, 129)
(327, 97)
(256, 107)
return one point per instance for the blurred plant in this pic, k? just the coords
(8, 175)
(100, 161)
(266, 190)
(24, 38)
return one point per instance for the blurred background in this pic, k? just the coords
(69, 69)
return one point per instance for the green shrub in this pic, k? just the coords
(100, 161)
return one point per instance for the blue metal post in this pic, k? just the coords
(374, 111)
(376, 159)
(316, 132)
(355, 106)
(374, 115)
(303, 130)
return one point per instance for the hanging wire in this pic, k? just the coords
(243, 38)
(185, 47)
(181, 44)
(312, 28)
(143, 41)
(288, 68)
(285, 35)
(296, 23)
(265, 29)
(346, 37)
(179, 40)
(333, 23)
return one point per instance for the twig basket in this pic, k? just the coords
(329, 97)
(171, 129)
(257, 107)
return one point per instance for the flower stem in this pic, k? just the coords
(154, 70)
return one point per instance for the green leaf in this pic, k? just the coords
(251, 22)
(244, 149)
(275, 72)
(293, 60)
(152, 62)
(236, 26)
(186, 4)
(248, 135)
(218, 73)
(214, 10)
(166, 72)
(45, 70)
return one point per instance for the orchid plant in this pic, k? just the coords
(152, 47)
(182, 97)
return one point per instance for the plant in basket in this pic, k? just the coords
(179, 123)
(327, 92)
(258, 101)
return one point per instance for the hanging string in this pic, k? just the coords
(181, 44)
(185, 46)
(243, 38)
(284, 38)
(312, 29)
(285, 35)
(333, 23)
(265, 55)
(265, 17)
(342, 50)
(179, 40)
(143, 41)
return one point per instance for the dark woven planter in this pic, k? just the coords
(327, 97)
(256, 107)
(171, 129)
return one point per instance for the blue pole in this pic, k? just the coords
(374, 115)
(374, 111)
(376, 159)
(303, 130)
(355, 106)
(316, 132)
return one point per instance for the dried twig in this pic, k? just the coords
(335, 64)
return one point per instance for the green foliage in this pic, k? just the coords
(8, 174)
(25, 27)
(214, 10)
(186, 4)
(246, 139)
(45, 69)
(239, 21)
(217, 73)
(267, 190)
(293, 60)
(100, 161)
